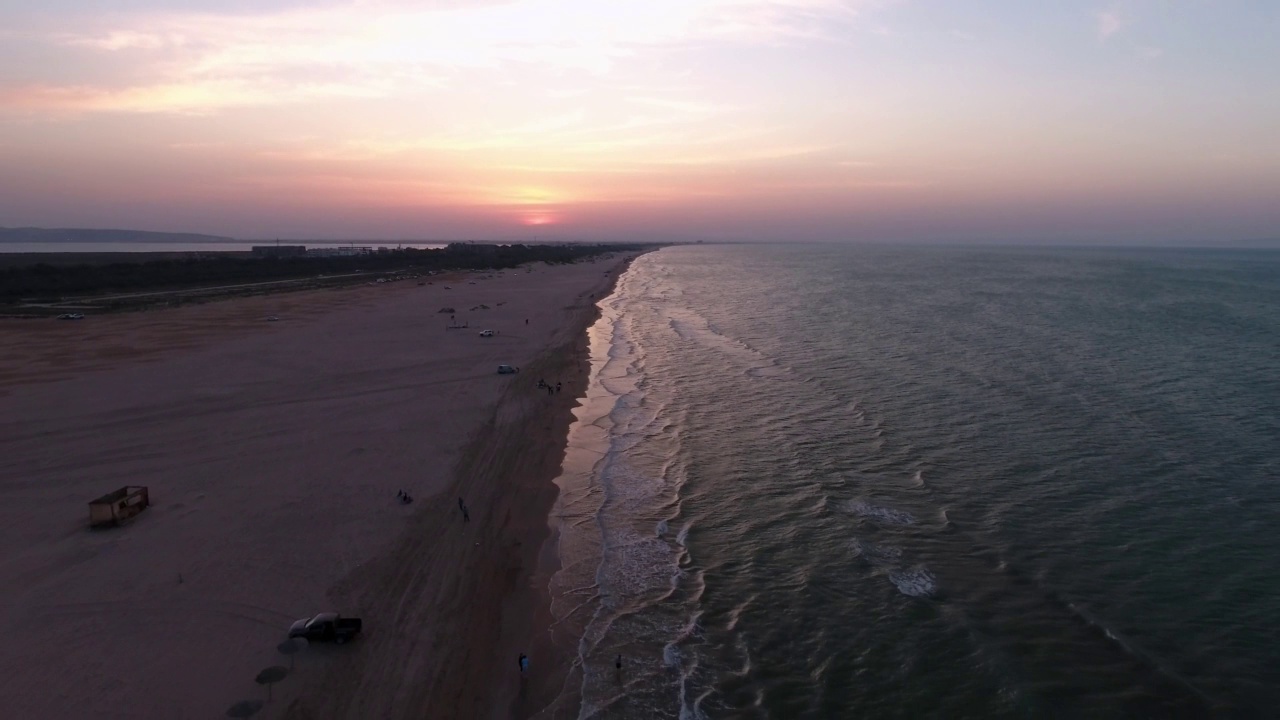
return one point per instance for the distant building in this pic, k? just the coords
(467, 248)
(340, 251)
(279, 250)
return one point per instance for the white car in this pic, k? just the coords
(486, 333)
(71, 316)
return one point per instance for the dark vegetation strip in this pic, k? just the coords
(50, 283)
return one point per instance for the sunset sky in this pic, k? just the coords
(1137, 121)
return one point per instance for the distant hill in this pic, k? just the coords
(88, 235)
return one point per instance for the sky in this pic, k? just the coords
(1133, 121)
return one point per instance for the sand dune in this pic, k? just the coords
(273, 452)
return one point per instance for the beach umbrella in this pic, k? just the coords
(244, 709)
(289, 647)
(271, 676)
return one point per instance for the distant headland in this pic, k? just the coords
(83, 235)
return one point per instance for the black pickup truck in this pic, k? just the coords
(326, 627)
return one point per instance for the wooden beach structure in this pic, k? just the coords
(118, 506)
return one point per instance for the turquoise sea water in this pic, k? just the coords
(826, 482)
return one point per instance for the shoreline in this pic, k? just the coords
(547, 684)
(529, 607)
(496, 610)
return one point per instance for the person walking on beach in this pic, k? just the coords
(524, 665)
(557, 387)
(466, 514)
(617, 668)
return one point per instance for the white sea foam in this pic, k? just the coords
(671, 655)
(639, 567)
(630, 491)
(915, 582)
(889, 516)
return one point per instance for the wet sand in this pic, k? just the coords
(273, 452)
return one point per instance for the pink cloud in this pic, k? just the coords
(1109, 23)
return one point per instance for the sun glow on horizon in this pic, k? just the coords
(540, 218)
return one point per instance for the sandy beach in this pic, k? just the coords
(273, 452)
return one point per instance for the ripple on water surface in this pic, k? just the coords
(1016, 432)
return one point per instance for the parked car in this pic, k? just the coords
(486, 333)
(71, 316)
(326, 627)
(507, 370)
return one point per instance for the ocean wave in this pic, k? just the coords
(875, 553)
(691, 326)
(886, 515)
(915, 582)
(682, 537)
(671, 656)
(632, 417)
(766, 371)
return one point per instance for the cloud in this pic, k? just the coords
(1109, 23)
(389, 48)
(122, 40)
(180, 98)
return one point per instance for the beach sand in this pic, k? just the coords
(273, 452)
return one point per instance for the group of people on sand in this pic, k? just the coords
(405, 498)
(551, 389)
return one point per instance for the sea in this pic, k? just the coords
(833, 481)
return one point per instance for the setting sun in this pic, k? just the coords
(542, 217)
